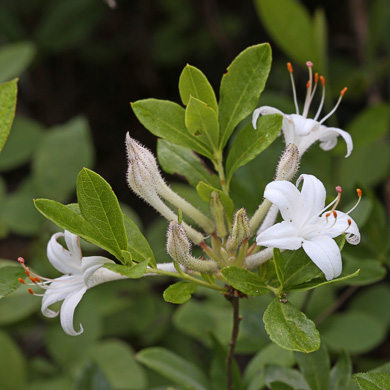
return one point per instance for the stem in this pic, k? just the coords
(332, 308)
(236, 323)
(186, 277)
(221, 173)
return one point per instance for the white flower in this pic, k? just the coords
(307, 224)
(303, 131)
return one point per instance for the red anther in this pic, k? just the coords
(334, 213)
(309, 64)
(21, 260)
(316, 77)
(308, 84)
(322, 78)
(342, 92)
(339, 189)
(327, 215)
(32, 279)
(30, 291)
(21, 281)
(349, 222)
(289, 67)
(37, 280)
(359, 192)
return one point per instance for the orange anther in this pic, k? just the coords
(349, 222)
(37, 280)
(327, 215)
(21, 281)
(322, 78)
(27, 273)
(359, 192)
(342, 92)
(21, 260)
(316, 77)
(31, 278)
(339, 189)
(289, 67)
(309, 64)
(334, 213)
(308, 84)
(31, 291)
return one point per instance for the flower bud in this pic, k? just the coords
(288, 164)
(179, 248)
(240, 230)
(218, 212)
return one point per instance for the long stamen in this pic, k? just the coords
(290, 69)
(342, 92)
(359, 193)
(309, 89)
(316, 77)
(349, 224)
(35, 278)
(322, 78)
(339, 192)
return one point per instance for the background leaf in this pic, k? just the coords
(8, 93)
(180, 292)
(9, 276)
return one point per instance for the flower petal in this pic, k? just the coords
(283, 235)
(313, 195)
(341, 225)
(329, 140)
(73, 244)
(303, 126)
(92, 263)
(325, 254)
(287, 198)
(60, 258)
(67, 312)
(265, 110)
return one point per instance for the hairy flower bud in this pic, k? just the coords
(179, 248)
(288, 164)
(218, 212)
(240, 230)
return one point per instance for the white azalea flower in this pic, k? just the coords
(302, 131)
(80, 274)
(307, 224)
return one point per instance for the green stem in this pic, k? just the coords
(221, 172)
(186, 277)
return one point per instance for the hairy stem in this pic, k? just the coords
(221, 173)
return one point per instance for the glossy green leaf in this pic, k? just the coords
(241, 87)
(174, 367)
(138, 246)
(279, 265)
(245, 281)
(202, 122)
(288, 376)
(166, 119)
(134, 272)
(181, 161)
(250, 142)
(63, 152)
(15, 59)
(100, 207)
(204, 191)
(8, 93)
(179, 292)
(340, 375)
(296, 39)
(315, 367)
(373, 381)
(194, 83)
(9, 276)
(290, 328)
(24, 138)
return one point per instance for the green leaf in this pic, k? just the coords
(204, 191)
(181, 161)
(8, 93)
(179, 292)
(244, 281)
(138, 246)
(92, 378)
(174, 367)
(250, 142)
(67, 218)
(371, 270)
(194, 83)
(288, 376)
(315, 367)
(13, 367)
(166, 119)
(15, 59)
(63, 152)
(373, 381)
(340, 375)
(290, 328)
(22, 141)
(134, 272)
(241, 87)
(100, 207)
(290, 26)
(279, 265)
(202, 122)
(9, 276)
